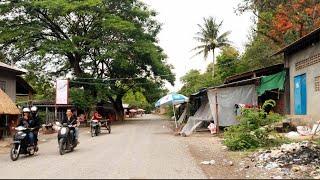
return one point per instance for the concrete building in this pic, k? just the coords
(302, 60)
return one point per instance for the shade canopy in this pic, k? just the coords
(7, 106)
(171, 99)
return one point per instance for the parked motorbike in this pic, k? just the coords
(21, 144)
(66, 138)
(95, 127)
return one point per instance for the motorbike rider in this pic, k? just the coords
(36, 119)
(71, 119)
(96, 116)
(27, 122)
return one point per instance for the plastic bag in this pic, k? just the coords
(212, 127)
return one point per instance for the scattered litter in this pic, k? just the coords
(276, 177)
(290, 159)
(212, 127)
(212, 162)
(230, 163)
(292, 134)
(295, 168)
(271, 165)
(304, 130)
(205, 162)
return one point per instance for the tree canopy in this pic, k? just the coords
(278, 23)
(110, 46)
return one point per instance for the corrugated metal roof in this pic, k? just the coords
(11, 68)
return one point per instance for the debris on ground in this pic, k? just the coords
(212, 162)
(290, 160)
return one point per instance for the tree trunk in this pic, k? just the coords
(117, 105)
(74, 61)
(213, 63)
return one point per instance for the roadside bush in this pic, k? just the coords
(253, 131)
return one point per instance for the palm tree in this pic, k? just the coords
(210, 38)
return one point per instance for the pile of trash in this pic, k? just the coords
(302, 156)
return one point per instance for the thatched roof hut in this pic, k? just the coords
(7, 106)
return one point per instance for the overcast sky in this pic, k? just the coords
(180, 19)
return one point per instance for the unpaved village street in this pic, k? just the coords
(134, 149)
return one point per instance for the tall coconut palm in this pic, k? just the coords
(210, 38)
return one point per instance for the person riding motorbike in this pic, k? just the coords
(27, 122)
(71, 119)
(35, 117)
(97, 116)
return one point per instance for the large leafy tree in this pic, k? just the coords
(210, 38)
(110, 40)
(39, 79)
(283, 21)
(277, 23)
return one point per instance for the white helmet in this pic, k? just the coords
(26, 110)
(34, 109)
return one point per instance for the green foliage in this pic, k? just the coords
(91, 39)
(81, 99)
(136, 99)
(39, 80)
(268, 105)
(258, 54)
(253, 131)
(42, 116)
(227, 63)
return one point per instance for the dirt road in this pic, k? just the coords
(134, 149)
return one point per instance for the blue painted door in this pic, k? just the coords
(300, 95)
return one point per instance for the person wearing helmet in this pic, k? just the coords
(27, 122)
(36, 119)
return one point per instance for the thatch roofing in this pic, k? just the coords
(7, 106)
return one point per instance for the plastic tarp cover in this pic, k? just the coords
(202, 114)
(275, 81)
(227, 98)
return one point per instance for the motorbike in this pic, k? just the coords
(66, 138)
(21, 144)
(95, 128)
(107, 124)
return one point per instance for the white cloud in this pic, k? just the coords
(180, 19)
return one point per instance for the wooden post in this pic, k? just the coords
(174, 113)
(217, 115)
(47, 115)
(55, 113)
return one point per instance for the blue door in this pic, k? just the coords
(300, 95)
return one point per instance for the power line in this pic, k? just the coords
(114, 79)
(88, 83)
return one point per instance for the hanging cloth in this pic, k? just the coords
(275, 81)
